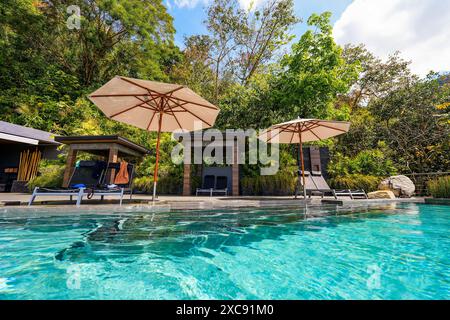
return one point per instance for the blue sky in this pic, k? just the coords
(418, 29)
(189, 14)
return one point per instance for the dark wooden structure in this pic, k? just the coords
(14, 141)
(235, 172)
(112, 148)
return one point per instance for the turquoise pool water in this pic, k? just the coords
(393, 252)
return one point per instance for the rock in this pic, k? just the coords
(381, 194)
(402, 186)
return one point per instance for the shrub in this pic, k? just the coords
(166, 184)
(51, 176)
(283, 183)
(440, 187)
(356, 181)
(196, 182)
(372, 162)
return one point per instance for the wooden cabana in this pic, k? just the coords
(21, 149)
(234, 172)
(112, 148)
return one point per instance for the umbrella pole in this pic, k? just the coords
(155, 173)
(302, 162)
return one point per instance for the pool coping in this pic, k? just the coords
(212, 204)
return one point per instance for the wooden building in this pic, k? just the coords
(21, 148)
(110, 148)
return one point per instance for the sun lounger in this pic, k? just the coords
(316, 185)
(308, 181)
(221, 185)
(116, 190)
(213, 185)
(89, 179)
(86, 174)
(321, 186)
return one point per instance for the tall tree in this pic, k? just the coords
(315, 73)
(265, 30)
(244, 40)
(195, 69)
(413, 120)
(224, 21)
(121, 35)
(46, 66)
(377, 78)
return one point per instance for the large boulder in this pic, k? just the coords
(381, 194)
(402, 186)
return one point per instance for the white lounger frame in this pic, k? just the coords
(338, 193)
(211, 191)
(76, 192)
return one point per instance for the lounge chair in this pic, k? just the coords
(116, 190)
(310, 186)
(316, 185)
(323, 187)
(87, 174)
(212, 185)
(88, 179)
(221, 185)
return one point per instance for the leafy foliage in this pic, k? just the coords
(166, 184)
(51, 176)
(367, 162)
(282, 183)
(314, 73)
(121, 35)
(305, 83)
(440, 187)
(355, 181)
(414, 127)
(376, 78)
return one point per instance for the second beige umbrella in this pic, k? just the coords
(154, 106)
(304, 130)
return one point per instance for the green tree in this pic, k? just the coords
(314, 74)
(376, 78)
(22, 36)
(253, 105)
(116, 36)
(413, 120)
(195, 68)
(242, 41)
(264, 31)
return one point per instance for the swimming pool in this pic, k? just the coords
(400, 251)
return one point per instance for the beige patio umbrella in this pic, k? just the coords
(154, 106)
(304, 130)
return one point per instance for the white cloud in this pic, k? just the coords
(417, 28)
(189, 4)
(245, 4)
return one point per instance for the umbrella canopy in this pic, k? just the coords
(304, 130)
(142, 103)
(154, 106)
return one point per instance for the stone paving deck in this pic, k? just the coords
(144, 202)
